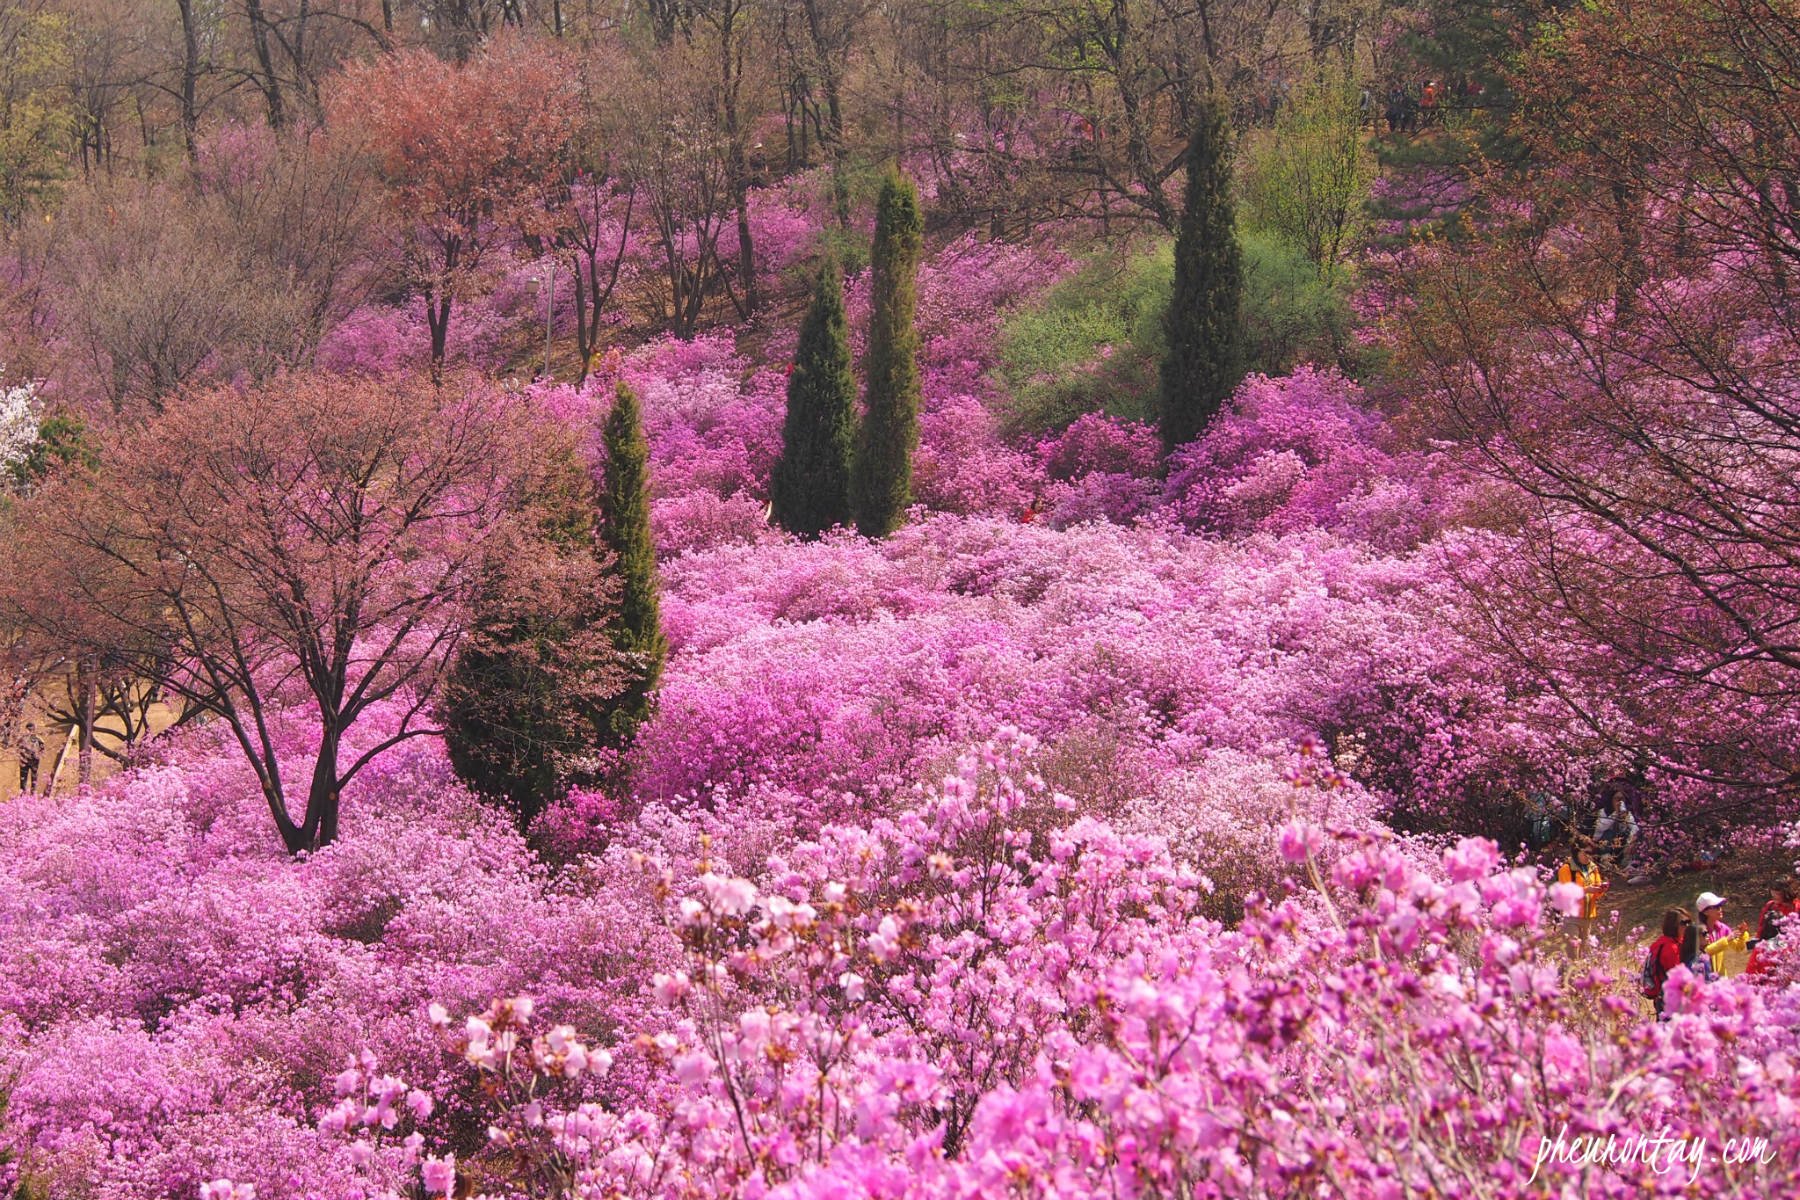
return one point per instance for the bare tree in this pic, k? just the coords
(311, 545)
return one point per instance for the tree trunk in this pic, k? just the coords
(190, 77)
(88, 693)
(268, 83)
(437, 320)
(834, 113)
(320, 828)
(731, 67)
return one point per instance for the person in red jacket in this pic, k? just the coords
(1664, 956)
(1779, 908)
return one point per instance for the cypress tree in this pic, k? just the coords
(538, 668)
(625, 530)
(810, 490)
(1204, 360)
(881, 485)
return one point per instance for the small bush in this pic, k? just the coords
(1093, 342)
(1292, 315)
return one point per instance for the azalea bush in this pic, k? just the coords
(989, 992)
(1127, 824)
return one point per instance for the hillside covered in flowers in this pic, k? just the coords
(753, 599)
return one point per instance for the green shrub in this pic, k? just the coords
(1307, 180)
(1051, 360)
(1054, 356)
(1292, 314)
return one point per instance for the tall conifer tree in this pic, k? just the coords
(810, 490)
(881, 486)
(625, 529)
(1204, 361)
(536, 676)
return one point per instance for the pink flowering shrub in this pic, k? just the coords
(698, 520)
(990, 994)
(1094, 443)
(195, 991)
(714, 427)
(842, 669)
(1294, 453)
(784, 227)
(963, 466)
(1108, 831)
(382, 340)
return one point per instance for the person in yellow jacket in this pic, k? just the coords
(1580, 868)
(1719, 938)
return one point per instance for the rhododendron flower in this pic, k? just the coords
(1568, 898)
(669, 988)
(693, 1067)
(852, 983)
(884, 943)
(1471, 858)
(1300, 839)
(753, 1029)
(438, 1175)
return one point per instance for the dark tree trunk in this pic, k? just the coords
(834, 112)
(190, 77)
(437, 320)
(267, 81)
(321, 825)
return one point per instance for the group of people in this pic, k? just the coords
(1412, 106)
(1614, 834)
(1702, 940)
(1408, 106)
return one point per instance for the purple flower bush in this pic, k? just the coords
(1045, 848)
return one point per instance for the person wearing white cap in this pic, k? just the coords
(1718, 937)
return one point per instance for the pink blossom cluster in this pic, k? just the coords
(993, 994)
(1298, 452)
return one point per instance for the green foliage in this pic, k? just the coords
(1307, 180)
(846, 247)
(1090, 344)
(625, 529)
(63, 440)
(526, 698)
(37, 116)
(1204, 359)
(1291, 314)
(1093, 342)
(882, 477)
(862, 179)
(810, 488)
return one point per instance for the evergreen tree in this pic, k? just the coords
(625, 529)
(881, 485)
(1204, 361)
(810, 490)
(534, 678)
